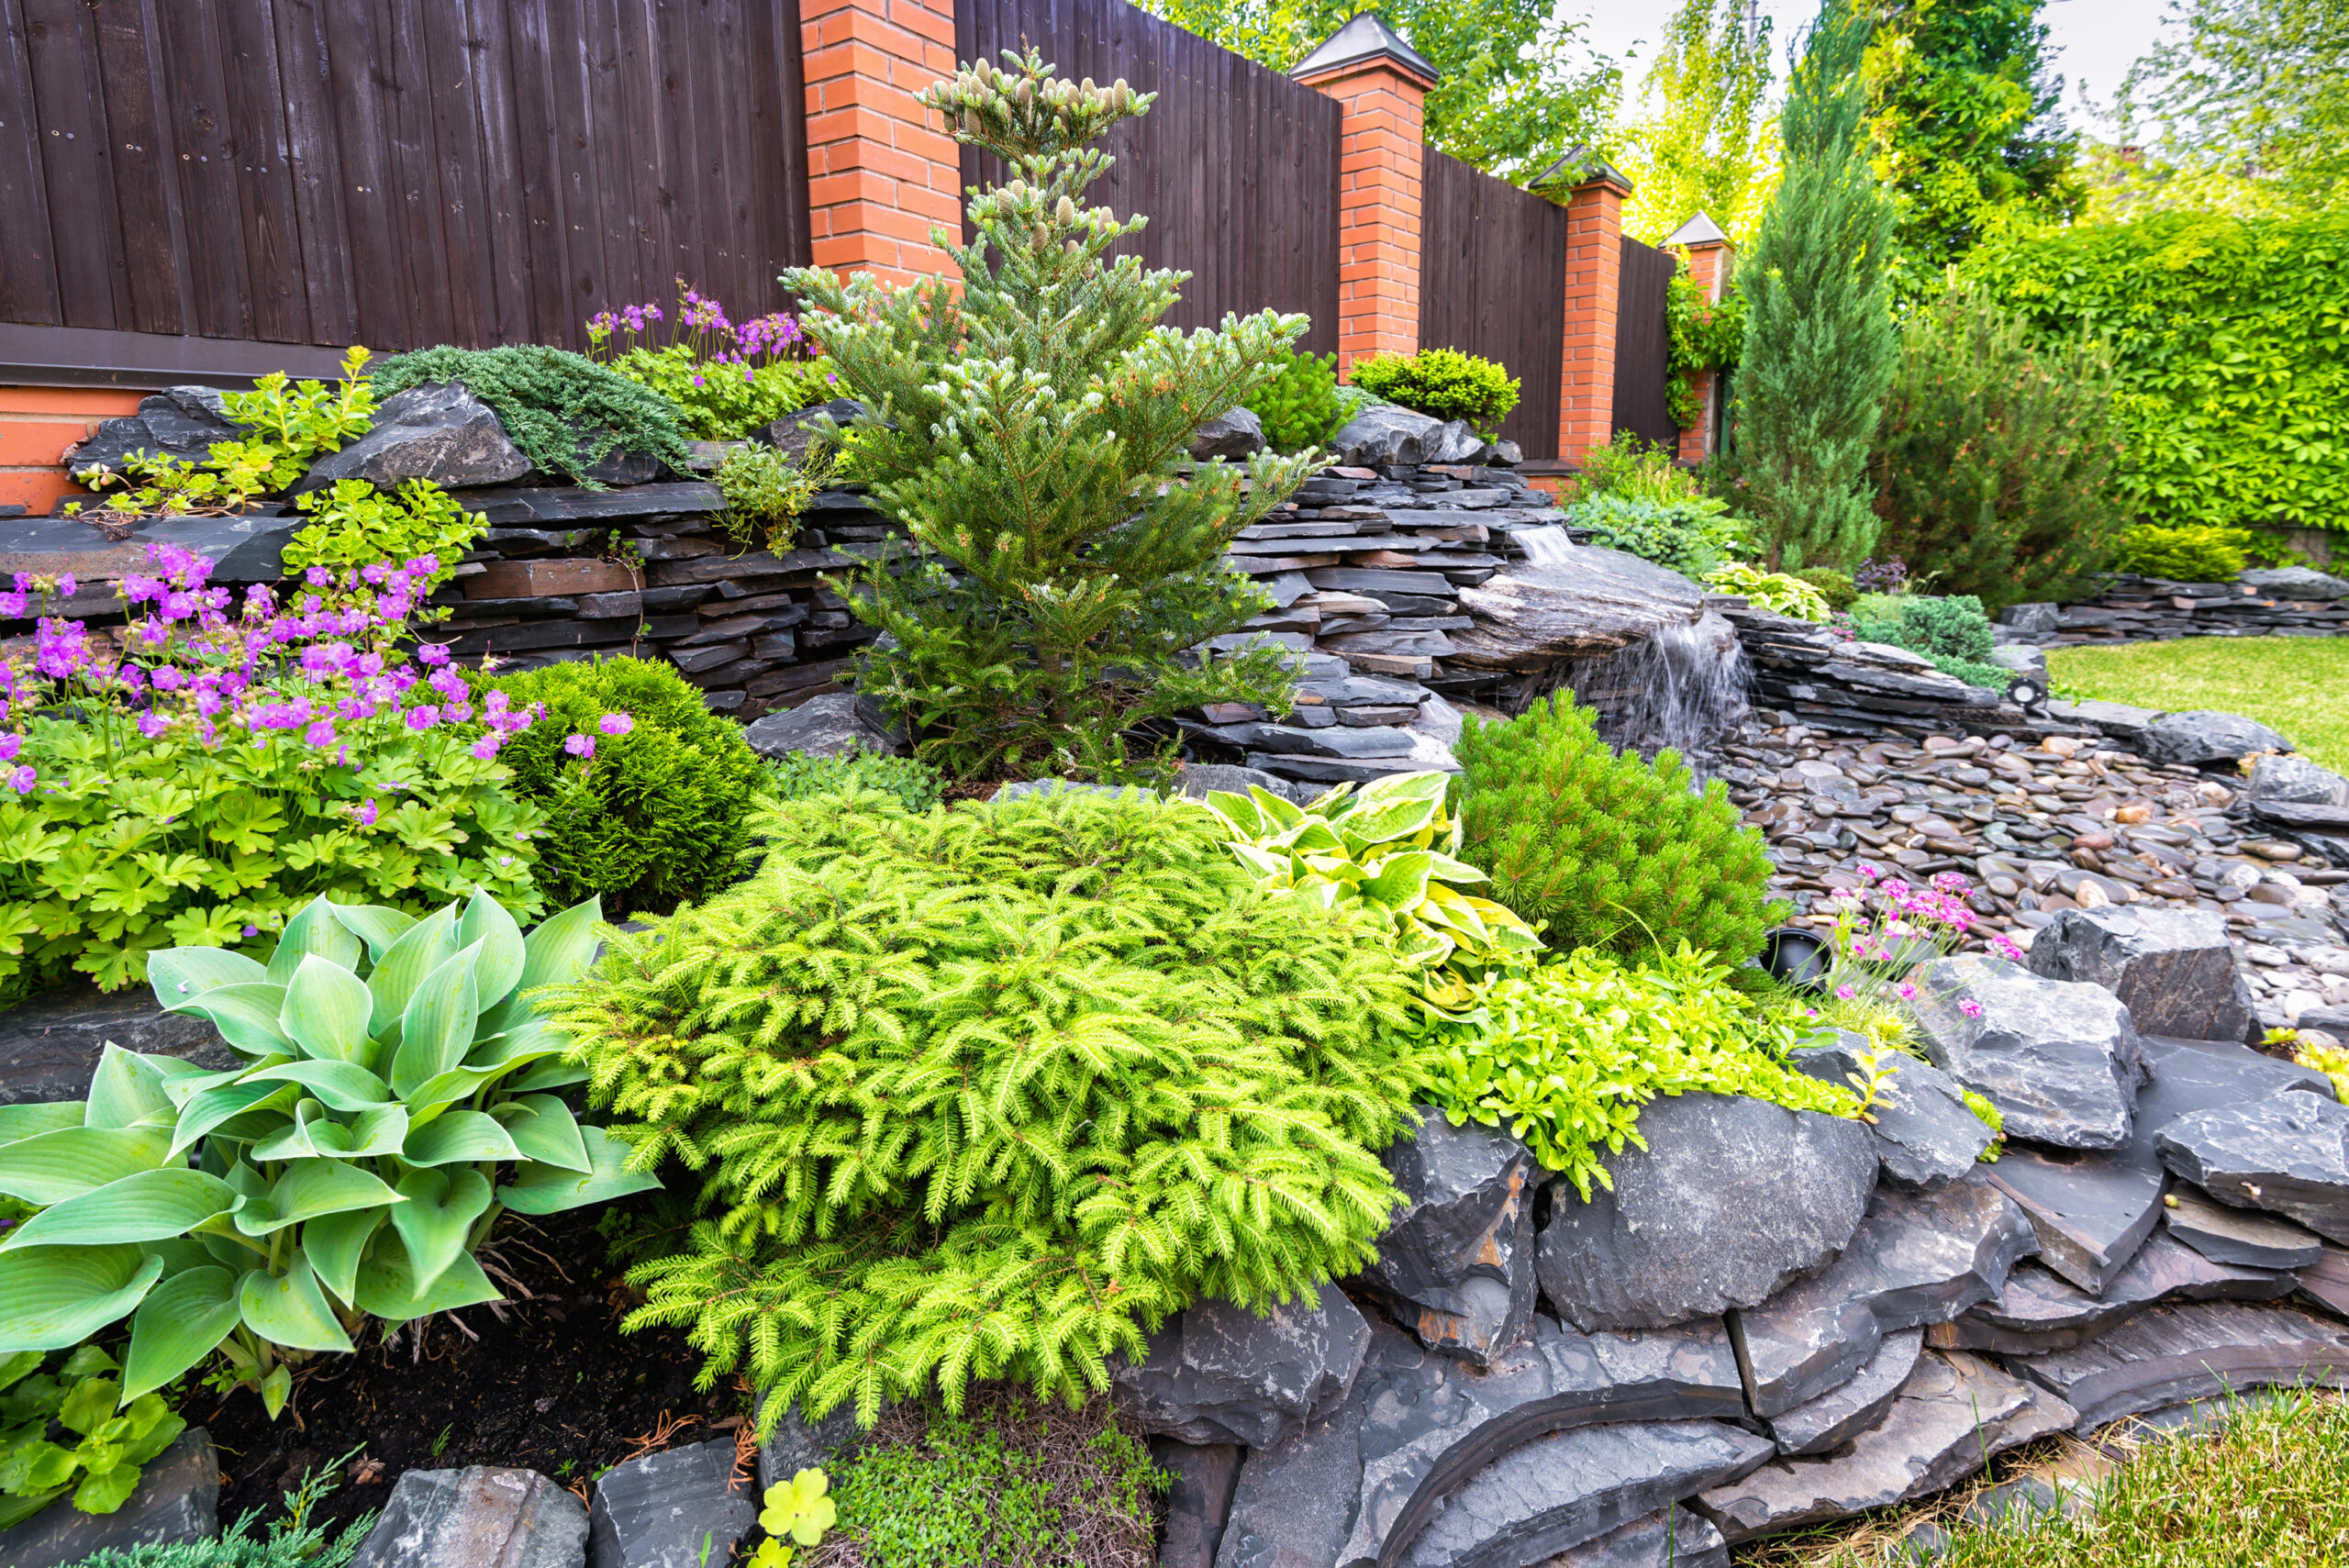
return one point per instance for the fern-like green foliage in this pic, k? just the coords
(657, 815)
(566, 413)
(981, 1093)
(1610, 850)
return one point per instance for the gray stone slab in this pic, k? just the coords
(2060, 1060)
(2173, 969)
(1566, 1488)
(2242, 1236)
(2171, 1355)
(2288, 1155)
(177, 1498)
(1294, 1501)
(2040, 1311)
(438, 432)
(676, 1508)
(1669, 1537)
(2119, 721)
(49, 1044)
(1839, 1415)
(1337, 741)
(1218, 1373)
(1916, 1259)
(1198, 1500)
(2206, 735)
(832, 725)
(478, 1517)
(1732, 1198)
(799, 1444)
(1592, 602)
(2326, 1281)
(1458, 1264)
(1925, 1135)
(2296, 583)
(1955, 1411)
(2091, 1208)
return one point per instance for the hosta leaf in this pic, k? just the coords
(437, 1093)
(212, 1109)
(369, 1135)
(72, 1161)
(52, 1297)
(546, 1133)
(388, 1287)
(246, 1015)
(554, 952)
(344, 1085)
(179, 973)
(423, 948)
(488, 924)
(527, 1040)
(127, 1091)
(377, 927)
(326, 1012)
(288, 1309)
(547, 1074)
(334, 1242)
(147, 1205)
(181, 1322)
(432, 1223)
(1401, 881)
(312, 1187)
(459, 1136)
(313, 930)
(549, 1189)
(35, 1117)
(437, 1026)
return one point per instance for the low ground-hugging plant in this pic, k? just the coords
(1692, 535)
(796, 775)
(565, 413)
(1950, 630)
(106, 1439)
(980, 1094)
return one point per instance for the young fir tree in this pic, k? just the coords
(1820, 346)
(1031, 430)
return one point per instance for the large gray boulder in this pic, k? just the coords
(1235, 433)
(1218, 1373)
(1594, 602)
(2173, 969)
(177, 1498)
(1925, 1134)
(832, 725)
(2039, 619)
(1455, 442)
(1732, 1198)
(2288, 1155)
(2060, 1058)
(677, 1508)
(1458, 1264)
(179, 421)
(478, 1517)
(2284, 780)
(1917, 1260)
(2296, 583)
(438, 432)
(2040, 1310)
(2170, 1355)
(1384, 436)
(2204, 736)
(51, 1044)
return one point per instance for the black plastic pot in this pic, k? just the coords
(1797, 958)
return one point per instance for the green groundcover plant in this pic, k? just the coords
(105, 1443)
(985, 1091)
(395, 1100)
(564, 411)
(1609, 851)
(289, 1543)
(1951, 630)
(1442, 384)
(1777, 591)
(360, 525)
(797, 775)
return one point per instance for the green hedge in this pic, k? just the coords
(2232, 342)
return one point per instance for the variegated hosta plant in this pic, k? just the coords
(395, 1101)
(1389, 846)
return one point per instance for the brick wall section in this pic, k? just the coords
(36, 423)
(1378, 207)
(1594, 291)
(880, 171)
(1707, 262)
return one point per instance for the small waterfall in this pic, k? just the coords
(1547, 545)
(1684, 687)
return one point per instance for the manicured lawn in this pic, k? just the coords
(2267, 1491)
(2297, 684)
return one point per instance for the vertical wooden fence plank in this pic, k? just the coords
(92, 283)
(314, 156)
(29, 290)
(255, 101)
(1492, 271)
(1642, 344)
(145, 194)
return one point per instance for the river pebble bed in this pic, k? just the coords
(2039, 826)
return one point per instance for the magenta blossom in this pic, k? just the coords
(579, 745)
(616, 724)
(1969, 1007)
(364, 813)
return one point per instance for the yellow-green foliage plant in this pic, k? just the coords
(1779, 593)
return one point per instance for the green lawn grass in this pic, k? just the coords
(2295, 684)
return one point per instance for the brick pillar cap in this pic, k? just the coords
(1699, 233)
(1579, 170)
(1365, 39)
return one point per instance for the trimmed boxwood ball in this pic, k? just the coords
(656, 817)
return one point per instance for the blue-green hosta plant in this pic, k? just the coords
(393, 1101)
(1390, 848)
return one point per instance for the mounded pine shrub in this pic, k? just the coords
(1611, 851)
(985, 1091)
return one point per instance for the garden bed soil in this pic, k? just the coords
(555, 1388)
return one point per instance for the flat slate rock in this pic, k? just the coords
(2327, 1280)
(677, 1508)
(177, 1498)
(2171, 1355)
(1669, 1537)
(1198, 1500)
(2241, 1236)
(2061, 1059)
(1954, 1412)
(1595, 601)
(1915, 1260)
(1925, 1135)
(1293, 1502)
(49, 1044)
(478, 1517)
(1457, 1263)
(2091, 1208)
(2041, 1311)
(1732, 1198)
(2173, 969)
(2288, 1155)
(1566, 1488)
(1219, 1373)
(1839, 1415)
(833, 725)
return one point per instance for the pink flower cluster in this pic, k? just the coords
(1892, 924)
(704, 326)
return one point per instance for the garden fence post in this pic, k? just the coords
(1380, 83)
(1707, 255)
(880, 169)
(1594, 285)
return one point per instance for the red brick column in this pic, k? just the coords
(36, 423)
(1594, 293)
(880, 169)
(1707, 262)
(1378, 207)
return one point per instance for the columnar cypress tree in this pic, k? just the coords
(1820, 346)
(1029, 430)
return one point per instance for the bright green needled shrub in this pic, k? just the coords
(2191, 554)
(982, 1092)
(656, 814)
(1299, 407)
(1692, 535)
(1442, 384)
(1566, 1055)
(1950, 629)
(565, 413)
(1611, 851)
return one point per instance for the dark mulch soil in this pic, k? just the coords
(555, 1387)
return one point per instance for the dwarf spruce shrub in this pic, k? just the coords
(1611, 851)
(1299, 407)
(985, 1092)
(1950, 629)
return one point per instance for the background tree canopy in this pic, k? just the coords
(1704, 140)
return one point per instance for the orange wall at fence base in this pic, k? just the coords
(1379, 155)
(881, 171)
(36, 423)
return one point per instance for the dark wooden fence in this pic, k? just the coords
(1235, 166)
(397, 173)
(1644, 344)
(1492, 271)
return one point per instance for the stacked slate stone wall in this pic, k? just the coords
(2290, 601)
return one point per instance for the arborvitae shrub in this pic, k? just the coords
(1611, 851)
(984, 1092)
(656, 815)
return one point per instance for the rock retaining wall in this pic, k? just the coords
(2291, 600)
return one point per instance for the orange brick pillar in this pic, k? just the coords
(1380, 83)
(1706, 255)
(1594, 294)
(36, 423)
(880, 169)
